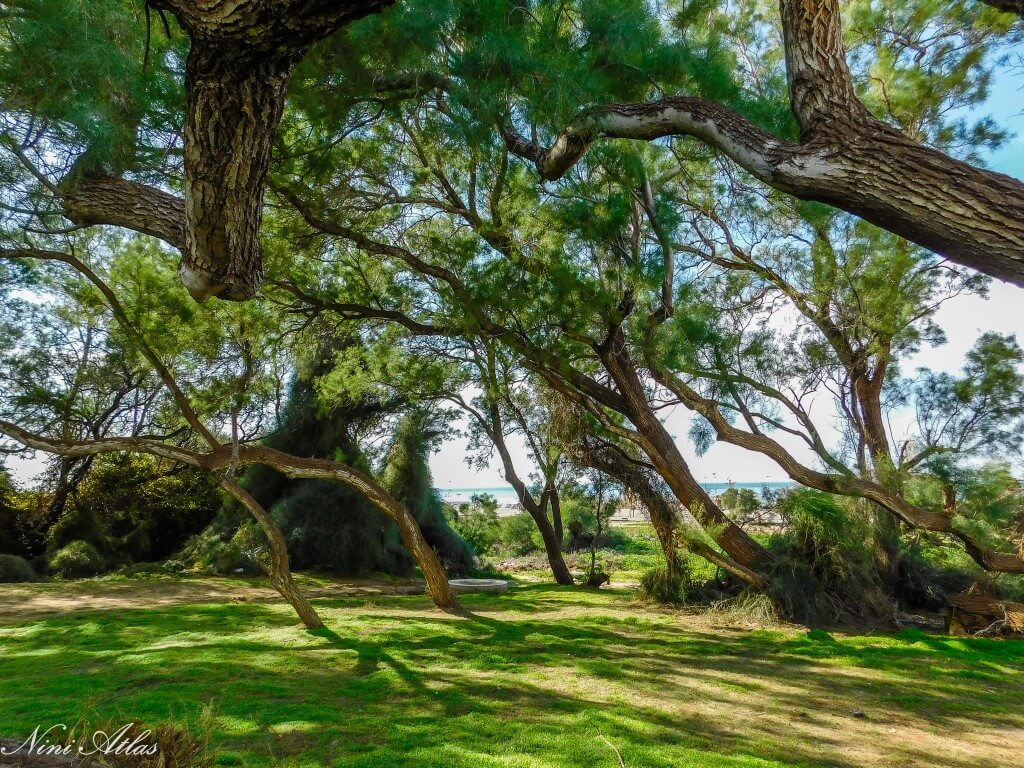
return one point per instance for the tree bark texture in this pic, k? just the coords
(236, 76)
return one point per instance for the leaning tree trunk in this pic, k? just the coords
(552, 545)
(552, 542)
(670, 464)
(280, 570)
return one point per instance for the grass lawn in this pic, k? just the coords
(533, 678)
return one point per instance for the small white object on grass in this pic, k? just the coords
(478, 585)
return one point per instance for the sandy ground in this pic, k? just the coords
(21, 602)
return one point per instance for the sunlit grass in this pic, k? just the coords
(534, 678)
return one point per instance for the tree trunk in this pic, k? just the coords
(556, 513)
(236, 75)
(845, 157)
(670, 464)
(280, 570)
(233, 112)
(552, 546)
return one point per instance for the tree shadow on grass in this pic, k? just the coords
(384, 685)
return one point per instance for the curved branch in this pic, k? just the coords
(845, 158)
(222, 457)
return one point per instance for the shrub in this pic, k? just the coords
(519, 534)
(658, 586)
(823, 571)
(210, 553)
(77, 560)
(480, 527)
(14, 569)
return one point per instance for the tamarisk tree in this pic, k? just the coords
(200, 408)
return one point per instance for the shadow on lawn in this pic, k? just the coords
(389, 686)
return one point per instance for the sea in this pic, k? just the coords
(506, 495)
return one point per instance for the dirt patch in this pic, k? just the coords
(28, 601)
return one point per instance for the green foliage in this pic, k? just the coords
(15, 569)
(406, 476)
(77, 560)
(222, 548)
(823, 571)
(79, 522)
(146, 508)
(658, 586)
(478, 524)
(327, 525)
(743, 501)
(13, 518)
(519, 534)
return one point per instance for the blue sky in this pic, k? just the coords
(963, 320)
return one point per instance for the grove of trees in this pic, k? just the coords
(279, 246)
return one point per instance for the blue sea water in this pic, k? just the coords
(506, 495)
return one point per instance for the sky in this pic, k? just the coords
(963, 319)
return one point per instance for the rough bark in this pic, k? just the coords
(94, 199)
(236, 75)
(280, 570)
(845, 157)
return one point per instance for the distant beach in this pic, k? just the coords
(506, 495)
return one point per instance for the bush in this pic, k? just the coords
(519, 534)
(480, 527)
(658, 586)
(14, 569)
(77, 560)
(823, 571)
(210, 553)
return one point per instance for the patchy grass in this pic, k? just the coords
(532, 679)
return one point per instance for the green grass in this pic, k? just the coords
(531, 679)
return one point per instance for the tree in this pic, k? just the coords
(327, 525)
(240, 62)
(406, 475)
(233, 398)
(845, 156)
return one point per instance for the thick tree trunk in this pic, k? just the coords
(233, 113)
(280, 570)
(236, 75)
(845, 157)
